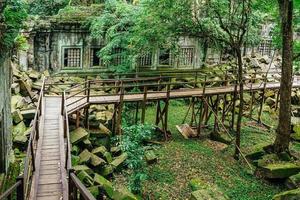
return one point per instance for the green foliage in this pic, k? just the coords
(132, 143)
(46, 7)
(14, 15)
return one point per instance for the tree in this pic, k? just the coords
(282, 140)
(46, 7)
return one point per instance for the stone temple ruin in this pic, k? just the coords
(63, 42)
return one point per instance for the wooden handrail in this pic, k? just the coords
(76, 185)
(18, 187)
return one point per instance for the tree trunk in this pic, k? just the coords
(241, 106)
(282, 141)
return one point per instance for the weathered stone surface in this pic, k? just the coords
(196, 184)
(78, 135)
(25, 89)
(123, 194)
(150, 157)
(87, 142)
(256, 152)
(34, 74)
(94, 190)
(279, 170)
(79, 168)
(97, 161)
(15, 87)
(107, 170)
(28, 114)
(104, 130)
(288, 195)
(99, 151)
(14, 101)
(84, 156)
(119, 160)
(17, 116)
(115, 150)
(293, 181)
(105, 184)
(108, 157)
(85, 178)
(207, 195)
(19, 129)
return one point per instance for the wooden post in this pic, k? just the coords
(20, 188)
(86, 122)
(120, 109)
(62, 103)
(166, 112)
(158, 110)
(216, 116)
(252, 99)
(262, 101)
(200, 117)
(193, 111)
(144, 105)
(77, 119)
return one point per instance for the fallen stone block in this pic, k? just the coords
(28, 114)
(79, 168)
(288, 195)
(107, 170)
(97, 161)
(78, 135)
(293, 182)
(119, 160)
(85, 156)
(105, 184)
(17, 116)
(207, 195)
(123, 194)
(99, 151)
(85, 178)
(150, 157)
(279, 170)
(15, 88)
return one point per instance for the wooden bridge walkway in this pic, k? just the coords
(48, 171)
(50, 177)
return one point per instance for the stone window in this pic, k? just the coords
(72, 57)
(186, 56)
(117, 56)
(146, 60)
(165, 57)
(95, 60)
(265, 47)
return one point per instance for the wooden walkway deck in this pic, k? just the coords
(154, 95)
(50, 177)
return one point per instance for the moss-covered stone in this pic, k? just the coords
(288, 195)
(17, 116)
(85, 156)
(94, 190)
(107, 170)
(279, 170)
(85, 178)
(196, 184)
(207, 195)
(119, 160)
(79, 168)
(124, 194)
(97, 161)
(293, 181)
(99, 151)
(108, 157)
(78, 135)
(150, 157)
(105, 184)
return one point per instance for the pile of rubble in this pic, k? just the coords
(95, 161)
(25, 94)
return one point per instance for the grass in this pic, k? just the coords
(181, 160)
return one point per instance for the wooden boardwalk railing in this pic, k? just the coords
(161, 88)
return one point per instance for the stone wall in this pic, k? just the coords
(5, 114)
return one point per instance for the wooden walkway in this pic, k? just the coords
(74, 103)
(50, 176)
